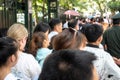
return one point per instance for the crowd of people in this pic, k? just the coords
(78, 49)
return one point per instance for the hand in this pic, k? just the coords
(117, 61)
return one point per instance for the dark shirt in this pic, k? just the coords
(111, 38)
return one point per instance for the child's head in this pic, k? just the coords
(93, 33)
(69, 65)
(39, 40)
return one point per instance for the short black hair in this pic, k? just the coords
(93, 32)
(8, 47)
(116, 21)
(54, 22)
(68, 65)
(42, 27)
(72, 23)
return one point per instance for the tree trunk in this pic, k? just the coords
(36, 12)
(100, 8)
(43, 11)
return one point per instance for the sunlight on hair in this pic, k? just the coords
(63, 66)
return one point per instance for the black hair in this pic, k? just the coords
(54, 22)
(42, 27)
(93, 32)
(8, 47)
(92, 19)
(3, 32)
(72, 23)
(83, 27)
(68, 65)
(116, 21)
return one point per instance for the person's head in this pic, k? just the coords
(73, 23)
(82, 20)
(56, 25)
(92, 20)
(116, 19)
(69, 39)
(18, 32)
(39, 40)
(99, 20)
(8, 52)
(3, 32)
(94, 33)
(69, 65)
(42, 27)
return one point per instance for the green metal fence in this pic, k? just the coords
(7, 13)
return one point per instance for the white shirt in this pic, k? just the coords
(51, 34)
(65, 25)
(10, 77)
(27, 67)
(105, 65)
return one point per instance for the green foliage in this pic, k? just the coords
(101, 5)
(39, 6)
(71, 4)
(114, 5)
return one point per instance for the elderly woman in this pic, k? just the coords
(27, 67)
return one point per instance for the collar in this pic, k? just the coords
(91, 45)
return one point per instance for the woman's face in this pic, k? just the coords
(22, 43)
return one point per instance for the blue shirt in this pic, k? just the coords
(42, 53)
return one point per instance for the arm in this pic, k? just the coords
(112, 70)
(117, 61)
(104, 41)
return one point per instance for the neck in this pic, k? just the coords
(116, 25)
(4, 71)
(19, 52)
(55, 30)
(94, 43)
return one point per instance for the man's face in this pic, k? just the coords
(59, 27)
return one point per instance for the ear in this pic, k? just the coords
(45, 41)
(13, 58)
(99, 39)
(22, 41)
